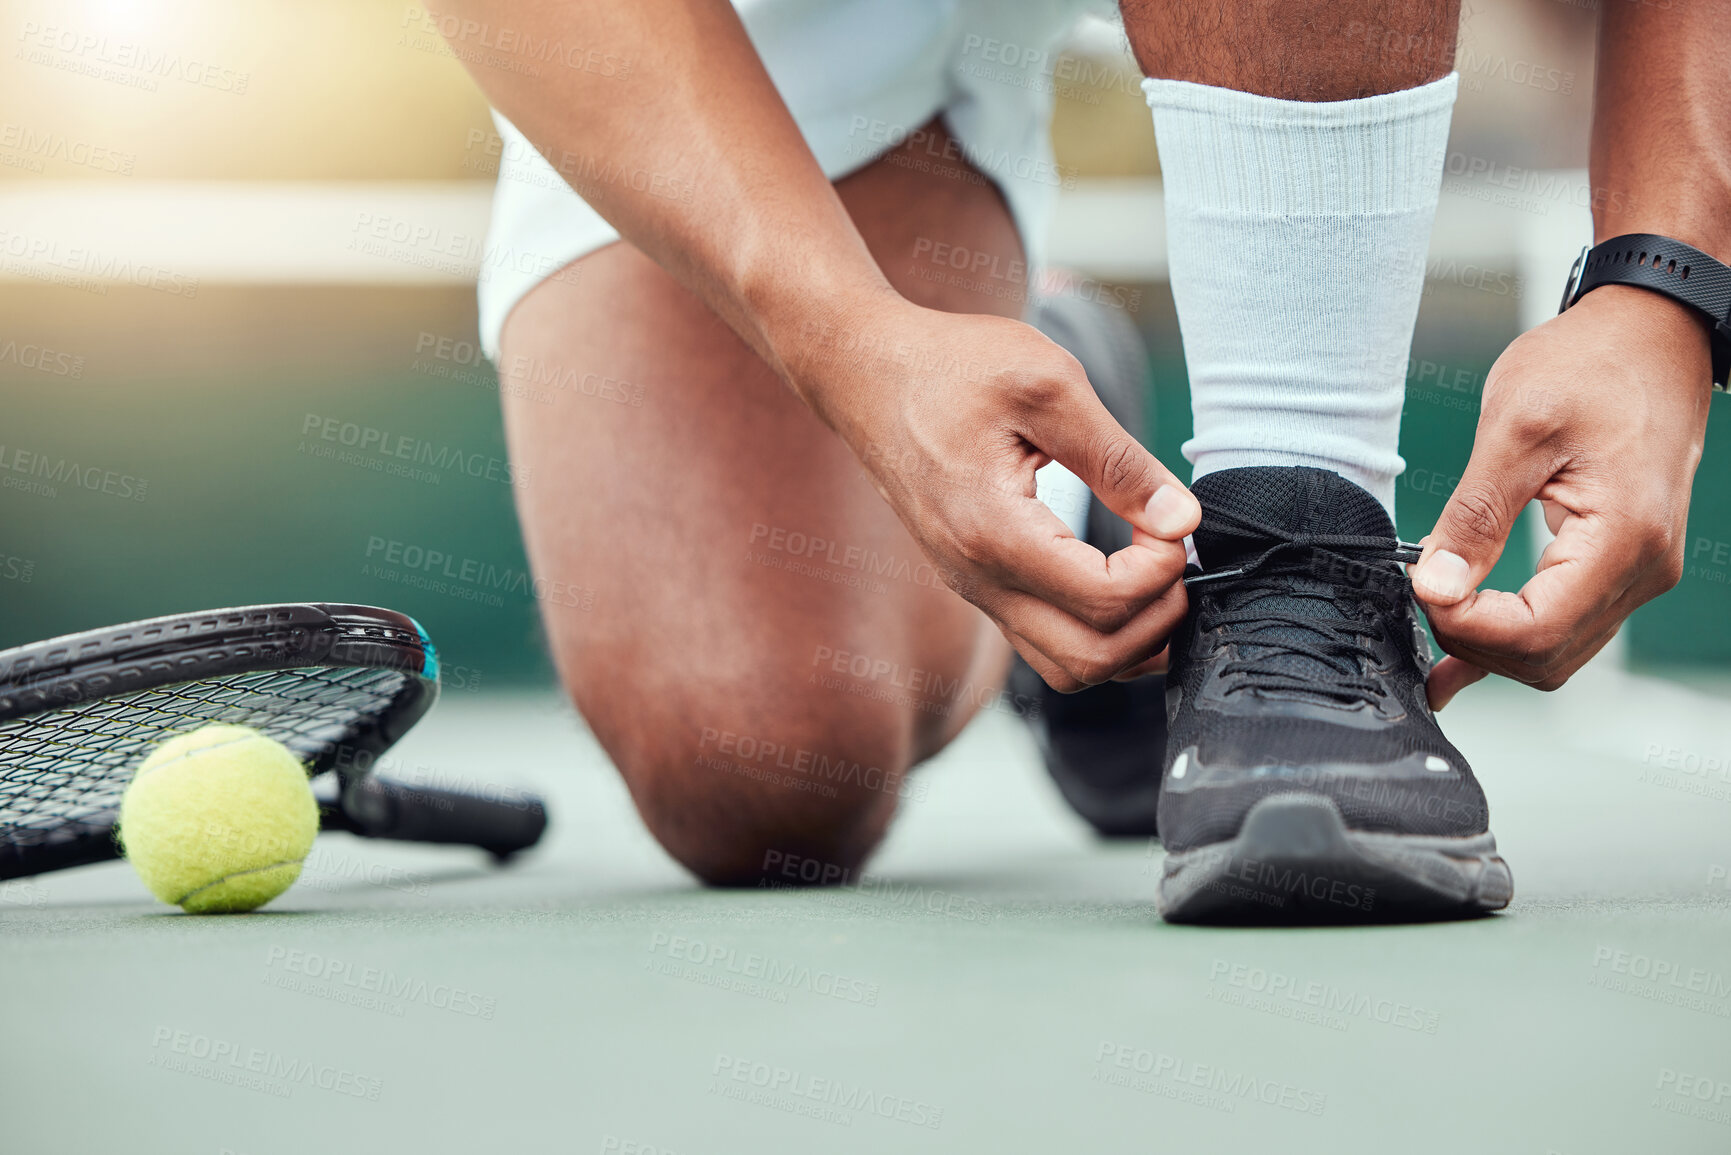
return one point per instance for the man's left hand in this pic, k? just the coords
(1599, 413)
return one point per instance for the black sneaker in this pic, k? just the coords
(1306, 779)
(1103, 745)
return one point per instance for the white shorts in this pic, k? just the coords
(859, 76)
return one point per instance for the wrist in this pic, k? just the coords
(1659, 265)
(1670, 319)
(1657, 323)
(809, 331)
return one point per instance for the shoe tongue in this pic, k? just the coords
(1293, 499)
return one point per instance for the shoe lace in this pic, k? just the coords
(1277, 633)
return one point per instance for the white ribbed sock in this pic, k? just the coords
(1296, 235)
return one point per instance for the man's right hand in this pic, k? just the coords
(951, 415)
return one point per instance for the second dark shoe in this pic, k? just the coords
(1102, 745)
(1306, 779)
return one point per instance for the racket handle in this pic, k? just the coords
(69, 848)
(376, 808)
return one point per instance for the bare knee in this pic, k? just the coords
(765, 793)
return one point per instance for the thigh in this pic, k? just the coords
(732, 543)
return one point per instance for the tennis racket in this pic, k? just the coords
(336, 684)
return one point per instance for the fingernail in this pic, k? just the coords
(1445, 575)
(1172, 512)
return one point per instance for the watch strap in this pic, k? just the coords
(1679, 271)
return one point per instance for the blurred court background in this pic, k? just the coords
(218, 390)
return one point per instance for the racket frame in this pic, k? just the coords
(176, 649)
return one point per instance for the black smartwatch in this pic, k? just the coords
(1679, 271)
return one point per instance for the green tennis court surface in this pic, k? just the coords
(999, 982)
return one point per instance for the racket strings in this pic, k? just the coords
(64, 771)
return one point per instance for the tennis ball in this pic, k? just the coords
(219, 820)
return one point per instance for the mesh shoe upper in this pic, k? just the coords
(1301, 667)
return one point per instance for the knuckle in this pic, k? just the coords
(1526, 416)
(1107, 615)
(1095, 667)
(1116, 618)
(1477, 512)
(1039, 391)
(1659, 539)
(1123, 464)
(1545, 652)
(1064, 683)
(972, 552)
(1537, 419)
(1671, 570)
(975, 547)
(964, 585)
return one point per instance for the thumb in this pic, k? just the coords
(1500, 479)
(1089, 442)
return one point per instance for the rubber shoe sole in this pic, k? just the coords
(1295, 862)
